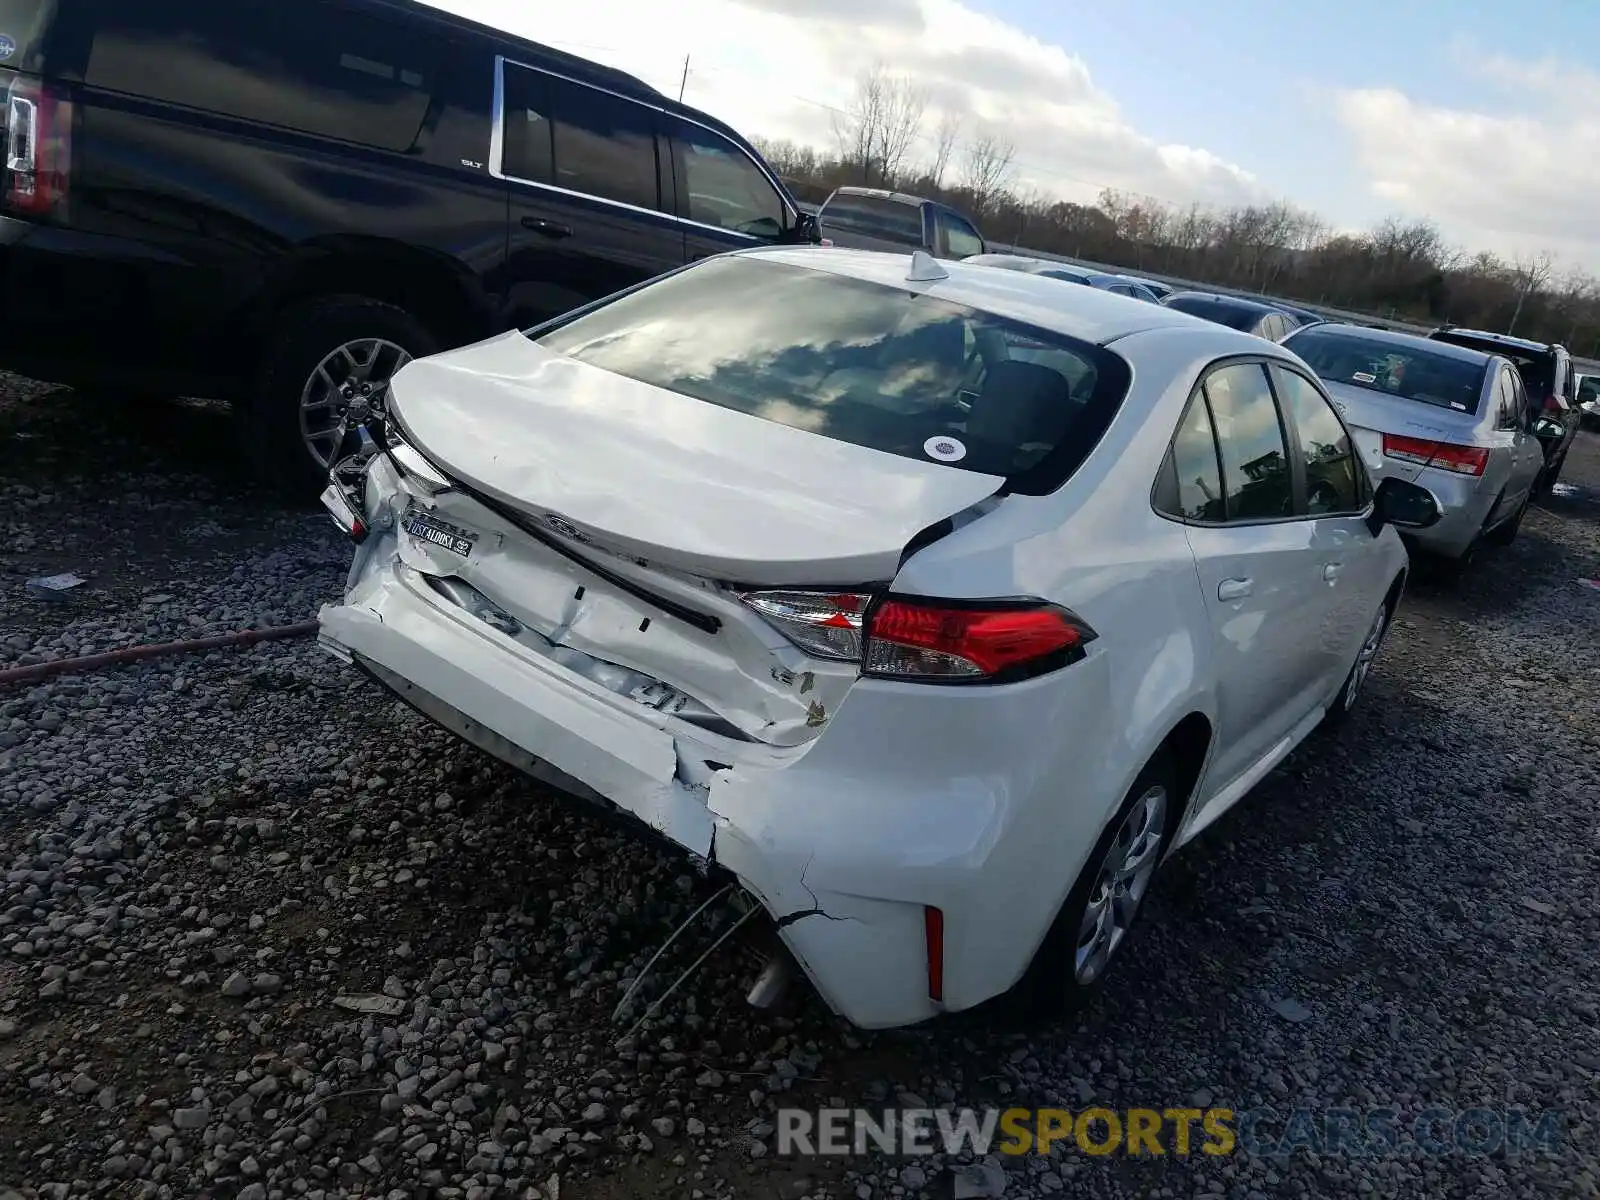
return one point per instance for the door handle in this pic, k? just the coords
(550, 229)
(1330, 571)
(1233, 589)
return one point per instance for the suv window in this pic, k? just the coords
(1335, 481)
(860, 362)
(1255, 458)
(578, 138)
(961, 240)
(718, 184)
(357, 77)
(875, 217)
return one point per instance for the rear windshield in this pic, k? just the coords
(1538, 371)
(874, 217)
(1231, 315)
(859, 362)
(1412, 373)
(22, 27)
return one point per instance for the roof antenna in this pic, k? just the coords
(925, 268)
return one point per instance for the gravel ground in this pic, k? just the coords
(200, 855)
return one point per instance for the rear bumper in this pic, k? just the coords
(972, 804)
(1465, 504)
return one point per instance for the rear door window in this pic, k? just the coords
(326, 70)
(1255, 456)
(603, 145)
(1335, 480)
(721, 186)
(877, 366)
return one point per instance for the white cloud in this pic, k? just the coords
(774, 68)
(1520, 173)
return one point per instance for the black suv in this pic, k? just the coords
(1547, 374)
(280, 202)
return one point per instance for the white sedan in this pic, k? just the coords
(932, 605)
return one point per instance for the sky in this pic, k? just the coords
(1485, 122)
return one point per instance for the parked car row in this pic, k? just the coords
(904, 595)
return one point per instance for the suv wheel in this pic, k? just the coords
(325, 357)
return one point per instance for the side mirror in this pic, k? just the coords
(1403, 505)
(805, 229)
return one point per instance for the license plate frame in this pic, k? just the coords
(439, 534)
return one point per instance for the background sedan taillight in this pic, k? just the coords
(923, 640)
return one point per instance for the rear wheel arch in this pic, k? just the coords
(1188, 747)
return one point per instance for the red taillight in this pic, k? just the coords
(1447, 456)
(1551, 404)
(38, 148)
(933, 931)
(928, 640)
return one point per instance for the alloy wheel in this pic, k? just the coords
(349, 385)
(1365, 659)
(1120, 886)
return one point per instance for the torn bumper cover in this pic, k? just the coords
(865, 955)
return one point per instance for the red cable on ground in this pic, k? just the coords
(116, 658)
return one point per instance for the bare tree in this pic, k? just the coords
(987, 169)
(883, 120)
(945, 139)
(1532, 272)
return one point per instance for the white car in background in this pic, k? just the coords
(930, 604)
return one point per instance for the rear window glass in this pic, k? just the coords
(876, 366)
(1410, 372)
(874, 217)
(327, 70)
(1231, 315)
(22, 27)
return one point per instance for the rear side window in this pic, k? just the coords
(577, 137)
(23, 24)
(860, 362)
(1335, 481)
(327, 70)
(874, 217)
(1255, 459)
(1195, 466)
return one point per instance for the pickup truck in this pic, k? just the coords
(872, 219)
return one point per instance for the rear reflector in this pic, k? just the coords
(1551, 404)
(927, 640)
(1447, 456)
(933, 932)
(342, 511)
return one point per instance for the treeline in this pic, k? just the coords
(1403, 269)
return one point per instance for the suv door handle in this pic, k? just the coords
(550, 229)
(1330, 571)
(1233, 589)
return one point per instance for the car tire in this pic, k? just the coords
(1062, 973)
(1506, 532)
(315, 348)
(1354, 686)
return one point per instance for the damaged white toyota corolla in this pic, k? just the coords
(930, 604)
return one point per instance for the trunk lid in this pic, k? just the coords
(635, 470)
(1371, 414)
(617, 525)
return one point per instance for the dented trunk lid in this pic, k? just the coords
(636, 470)
(618, 525)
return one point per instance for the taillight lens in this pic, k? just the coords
(1447, 456)
(1551, 404)
(827, 624)
(927, 640)
(38, 148)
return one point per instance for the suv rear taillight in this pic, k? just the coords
(924, 640)
(1447, 456)
(38, 149)
(1552, 404)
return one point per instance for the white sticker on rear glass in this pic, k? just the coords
(944, 449)
(1363, 377)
